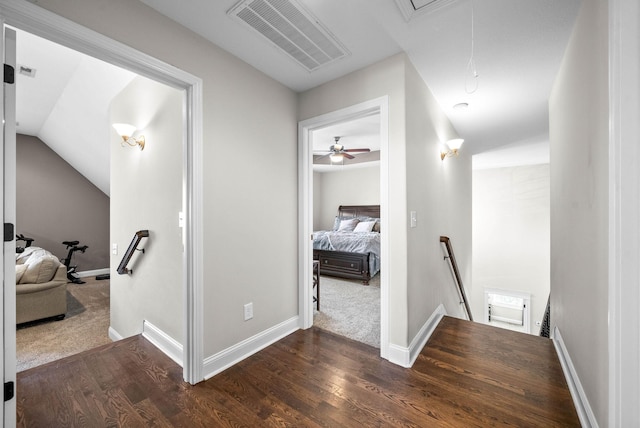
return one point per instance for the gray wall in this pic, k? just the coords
(440, 192)
(511, 249)
(146, 194)
(358, 186)
(579, 134)
(55, 203)
(249, 190)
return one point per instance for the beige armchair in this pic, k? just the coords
(41, 286)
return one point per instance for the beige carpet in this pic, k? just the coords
(350, 309)
(85, 326)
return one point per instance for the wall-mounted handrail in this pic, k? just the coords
(454, 266)
(122, 267)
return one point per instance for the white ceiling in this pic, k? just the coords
(66, 104)
(518, 45)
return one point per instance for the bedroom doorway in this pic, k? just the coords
(54, 28)
(325, 186)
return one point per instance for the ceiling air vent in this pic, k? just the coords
(291, 28)
(412, 8)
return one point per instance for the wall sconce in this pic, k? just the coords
(452, 147)
(126, 132)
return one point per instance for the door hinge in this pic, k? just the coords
(9, 74)
(9, 390)
(9, 232)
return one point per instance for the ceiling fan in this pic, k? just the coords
(337, 152)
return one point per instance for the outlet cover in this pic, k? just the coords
(248, 311)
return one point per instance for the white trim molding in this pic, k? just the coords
(238, 352)
(95, 272)
(114, 335)
(580, 401)
(405, 357)
(167, 344)
(624, 211)
(41, 22)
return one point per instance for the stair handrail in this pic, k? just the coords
(454, 266)
(133, 246)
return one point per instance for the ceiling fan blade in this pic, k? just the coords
(347, 155)
(322, 157)
(357, 150)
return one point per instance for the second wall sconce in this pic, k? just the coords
(451, 148)
(126, 132)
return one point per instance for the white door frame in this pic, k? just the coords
(8, 197)
(305, 210)
(41, 22)
(624, 212)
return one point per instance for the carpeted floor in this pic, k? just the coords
(350, 309)
(85, 326)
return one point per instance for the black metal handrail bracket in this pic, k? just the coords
(454, 266)
(122, 267)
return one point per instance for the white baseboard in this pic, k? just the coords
(171, 347)
(405, 357)
(230, 356)
(585, 413)
(114, 335)
(94, 272)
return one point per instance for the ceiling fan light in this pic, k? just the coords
(336, 157)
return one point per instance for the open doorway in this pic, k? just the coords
(83, 190)
(346, 224)
(189, 218)
(307, 128)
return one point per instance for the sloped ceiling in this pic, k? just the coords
(66, 104)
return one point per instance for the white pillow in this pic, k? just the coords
(365, 226)
(348, 225)
(41, 267)
(20, 270)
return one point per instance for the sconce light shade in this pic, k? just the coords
(126, 132)
(452, 146)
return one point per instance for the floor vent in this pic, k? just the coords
(412, 8)
(293, 29)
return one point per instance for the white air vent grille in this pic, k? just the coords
(412, 8)
(291, 28)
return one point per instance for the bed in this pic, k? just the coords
(350, 252)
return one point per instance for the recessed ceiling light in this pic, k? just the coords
(461, 106)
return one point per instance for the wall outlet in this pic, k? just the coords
(114, 249)
(248, 311)
(413, 219)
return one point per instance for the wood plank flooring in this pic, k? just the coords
(468, 375)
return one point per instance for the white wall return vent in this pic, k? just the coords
(293, 29)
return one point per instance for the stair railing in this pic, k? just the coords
(122, 267)
(456, 273)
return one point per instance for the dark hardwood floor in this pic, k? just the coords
(468, 375)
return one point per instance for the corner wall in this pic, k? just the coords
(55, 203)
(146, 194)
(511, 249)
(440, 194)
(249, 189)
(579, 133)
(419, 279)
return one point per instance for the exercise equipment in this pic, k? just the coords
(73, 246)
(27, 242)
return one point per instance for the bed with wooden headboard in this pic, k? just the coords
(352, 249)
